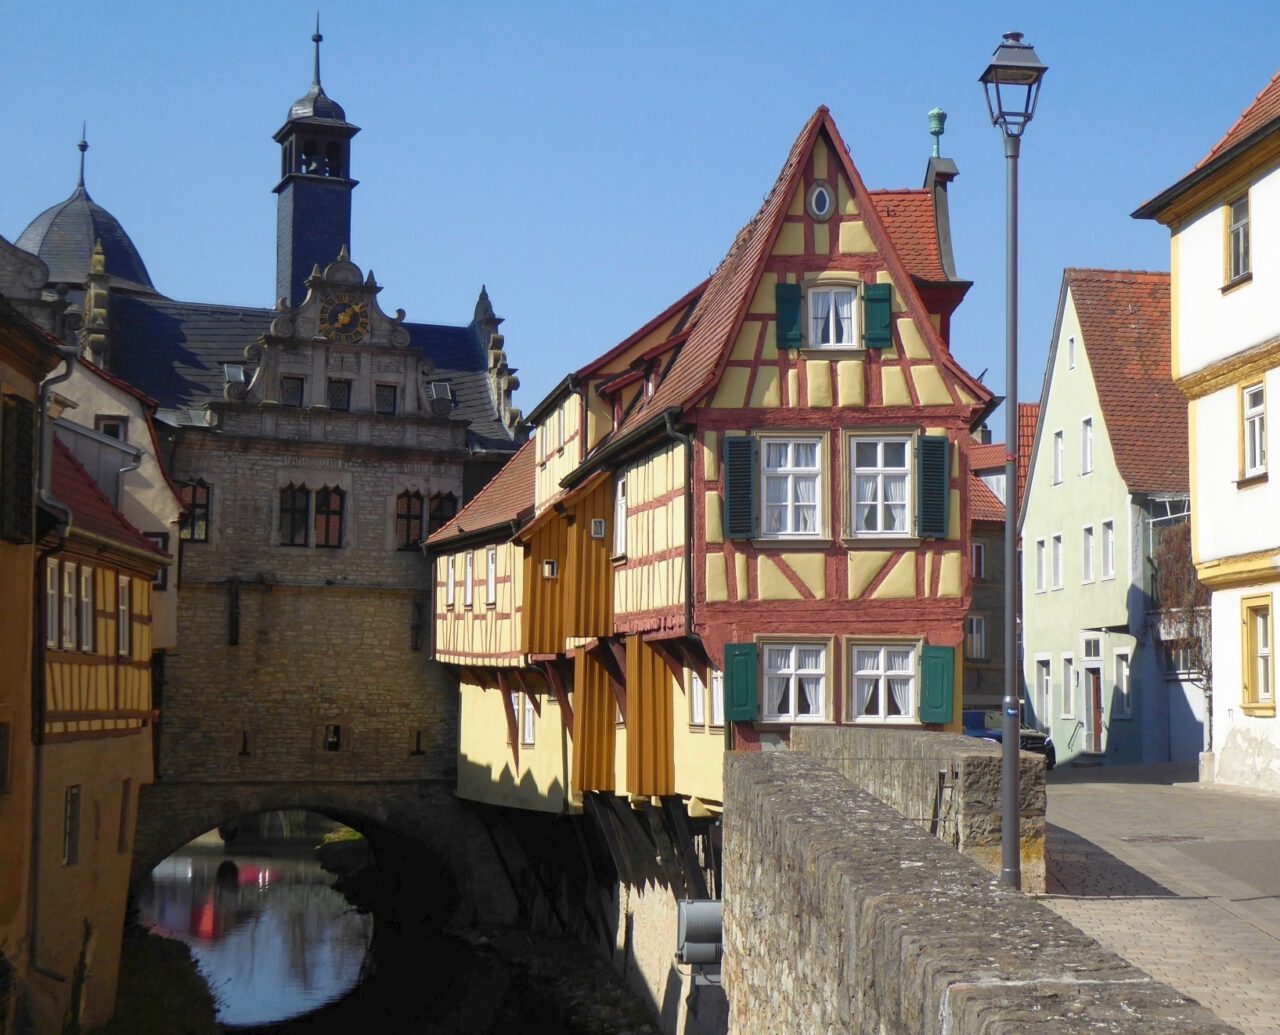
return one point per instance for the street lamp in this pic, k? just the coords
(1012, 82)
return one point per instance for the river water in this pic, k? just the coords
(269, 932)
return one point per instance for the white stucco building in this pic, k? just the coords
(1108, 474)
(1224, 218)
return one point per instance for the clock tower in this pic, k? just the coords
(313, 211)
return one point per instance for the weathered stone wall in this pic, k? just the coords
(902, 767)
(840, 916)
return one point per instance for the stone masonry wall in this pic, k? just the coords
(840, 916)
(901, 768)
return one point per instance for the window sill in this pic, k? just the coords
(830, 351)
(894, 720)
(880, 541)
(1239, 281)
(1259, 711)
(1249, 481)
(785, 543)
(784, 723)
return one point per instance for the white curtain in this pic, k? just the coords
(864, 689)
(900, 695)
(819, 311)
(806, 508)
(778, 702)
(868, 500)
(844, 317)
(895, 511)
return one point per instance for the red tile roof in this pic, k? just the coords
(1124, 321)
(984, 505)
(911, 222)
(91, 511)
(1028, 417)
(1264, 109)
(508, 497)
(985, 457)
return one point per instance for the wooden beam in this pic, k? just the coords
(509, 709)
(524, 686)
(555, 679)
(612, 656)
(683, 836)
(605, 822)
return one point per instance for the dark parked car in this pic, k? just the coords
(989, 725)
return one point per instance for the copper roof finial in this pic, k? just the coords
(317, 39)
(83, 146)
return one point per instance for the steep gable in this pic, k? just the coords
(507, 498)
(1264, 110)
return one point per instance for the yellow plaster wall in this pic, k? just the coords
(900, 583)
(713, 505)
(765, 393)
(818, 377)
(462, 633)
(893, 383)
(717, 578)
(850, 382)
(930, 386)
(771, 583)
(790, 238)
(556, 459)
(731, 392)
(762, 302)
(854, 238)
(812, 569)
(909, 335)
(487, 768)
(647, 581)
(949, 582)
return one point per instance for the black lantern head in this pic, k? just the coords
(1012, 82)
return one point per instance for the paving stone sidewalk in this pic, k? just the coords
(1181, 879)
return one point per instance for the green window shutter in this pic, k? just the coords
(740, 487)
(937, 683)
(933, 485)
(740, 677)
(877, 315)
(786, 299)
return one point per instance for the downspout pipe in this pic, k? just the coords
(44, 493)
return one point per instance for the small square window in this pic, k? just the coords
(339, 395)
(112, 427)
(833, 317)
(333, 737)
(883, 681)
(291, 391)
(1254, 414)
(795, 680)
(975, 637)
(1086, 445)
(1238, 263)
(384, 399)
(978, 560)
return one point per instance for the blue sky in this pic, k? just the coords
(591, 161)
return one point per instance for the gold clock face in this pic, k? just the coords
(344, 317)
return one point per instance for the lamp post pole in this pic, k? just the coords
(1012, 83)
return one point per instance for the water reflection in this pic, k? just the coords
(271, 935)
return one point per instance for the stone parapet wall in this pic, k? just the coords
(840, 916)
(901, 767)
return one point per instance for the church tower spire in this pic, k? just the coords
(313, 210)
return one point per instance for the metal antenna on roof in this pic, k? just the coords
(317, 39)
(83, 146)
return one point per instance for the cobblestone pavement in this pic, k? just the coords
(1179, 878)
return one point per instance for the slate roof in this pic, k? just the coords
(91, 511)
(509, 496)
(1124, 321)
(64, 237)
(912, 223)
(175, 351)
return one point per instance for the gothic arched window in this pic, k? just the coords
(443, 507)
(295, 505)
(409, 506)
(329, 503)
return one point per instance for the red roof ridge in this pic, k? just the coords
(490, 503)
(119, 382)
(1110, 274)
(900, 190)
(1244, 124)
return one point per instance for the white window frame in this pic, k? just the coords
(978, 560)
(828, 293)
(1096, 657)
(451, 582)
(1108, 550)
(69, 611)
(790, 472)
(717, 698)
(792, 673)
(1055, 560)
(1086, 446)
(1059, 456)
(697, 701)
(1239, 261)
(1067, 703)
(882, 674)
(491, 577)
(528, 728)
(124, 615)
(469, 580)
(52, 576)
(1040, 566)
(1254, 420)
(1087, 573)
(1122, 670)
(975, 637)
(880, 471)
(1043, 687)
(1071, 352)
(620, 517)
(87, 616)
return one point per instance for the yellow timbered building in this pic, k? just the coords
(748, 515)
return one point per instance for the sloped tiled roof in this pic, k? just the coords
(1028, 418)
(507, 497)
(1264, 110)
(90, 508)
(912, 223)
(1124, 321)
(985, 457)
(984, 505)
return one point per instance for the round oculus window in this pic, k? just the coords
(820, 201)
